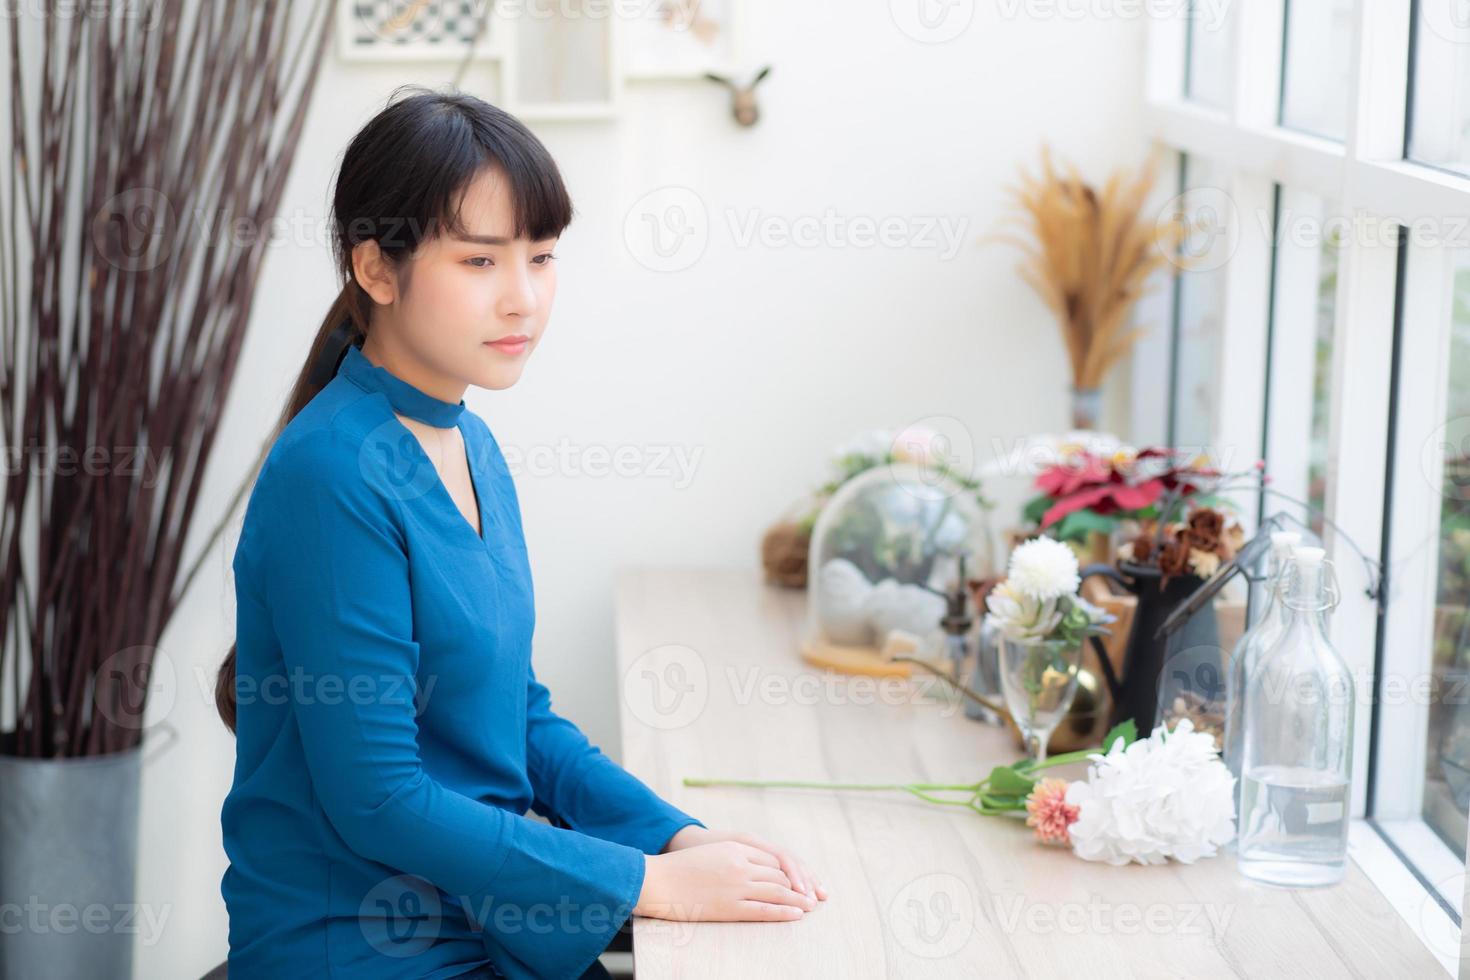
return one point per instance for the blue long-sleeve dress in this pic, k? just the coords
(391, 734)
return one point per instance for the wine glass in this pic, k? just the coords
(1039, 680)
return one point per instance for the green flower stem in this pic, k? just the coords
(982, 796)
(795, 784)
(1058, 760)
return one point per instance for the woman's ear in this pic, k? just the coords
(374, 273)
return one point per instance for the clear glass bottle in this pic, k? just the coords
(1297, 727)
(1248, 649)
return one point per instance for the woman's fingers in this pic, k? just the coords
(753, 911)
(758, 856)
(814, 881)
(764, 891)
(796, 871)
(761, 872)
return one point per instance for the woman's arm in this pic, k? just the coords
(574, 780)
(337, 585)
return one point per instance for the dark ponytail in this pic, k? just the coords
(400, 184)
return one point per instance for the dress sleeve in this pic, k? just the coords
(337, 584)
(575, 781)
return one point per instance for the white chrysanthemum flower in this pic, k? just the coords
(1043, 568)
(1020, 616)
(1166, 796)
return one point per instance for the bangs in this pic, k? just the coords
(420, 157)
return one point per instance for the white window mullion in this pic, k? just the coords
(1247, 296)
(1414, 542)
(1294, 347)
(1357, 457)
(1257, 82)
(1167, 42)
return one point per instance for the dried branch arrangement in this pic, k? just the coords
(1090, 254)
(150, 143)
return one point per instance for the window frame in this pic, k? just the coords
(1378, 189)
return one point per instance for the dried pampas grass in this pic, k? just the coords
(1090, 255)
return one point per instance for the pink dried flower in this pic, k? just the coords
(1048, 811)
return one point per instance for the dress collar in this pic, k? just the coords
(404, 397)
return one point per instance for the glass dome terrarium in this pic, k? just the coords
(884, 553)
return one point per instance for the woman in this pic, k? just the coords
(391, 732)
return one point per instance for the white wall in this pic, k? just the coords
(758, 359)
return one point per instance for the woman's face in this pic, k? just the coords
(460, 303)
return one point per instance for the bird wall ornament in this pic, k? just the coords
(742, 97)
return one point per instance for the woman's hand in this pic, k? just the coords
(796, 870)
(722, 881)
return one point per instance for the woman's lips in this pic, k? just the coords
(509, 345)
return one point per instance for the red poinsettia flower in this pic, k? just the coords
(1108, 498)
(1067, 478)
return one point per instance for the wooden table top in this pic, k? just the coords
(713, 686)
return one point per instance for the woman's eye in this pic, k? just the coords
(544, 259)
(478, 259)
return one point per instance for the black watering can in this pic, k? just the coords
(1136, 693)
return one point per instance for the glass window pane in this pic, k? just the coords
(1315, 84)
(1447, 780)
(1208, 72)
(1439, 120)
(1207, 212)
(1309, 234)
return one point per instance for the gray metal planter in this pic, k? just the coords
(68, 865)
